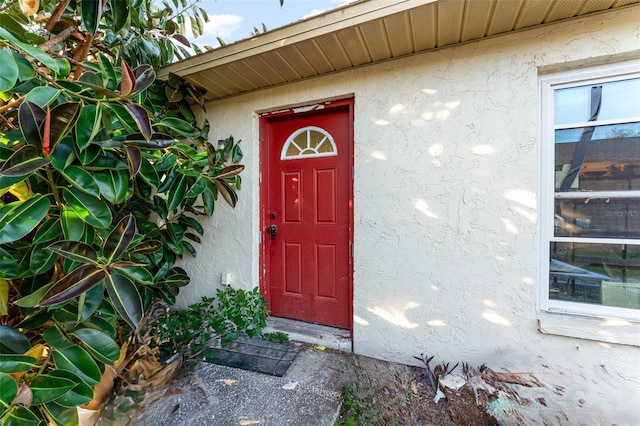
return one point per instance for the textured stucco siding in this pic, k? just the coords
(445, 206)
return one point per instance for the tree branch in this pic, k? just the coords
(11, 104)
(63, 35)
(55, 16)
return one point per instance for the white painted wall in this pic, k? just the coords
(446, 177)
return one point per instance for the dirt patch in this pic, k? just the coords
(385, 393)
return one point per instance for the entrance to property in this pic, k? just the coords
(306, 212)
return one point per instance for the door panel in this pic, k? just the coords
(306, 194)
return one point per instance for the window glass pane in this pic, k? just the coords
(619, 100)
(611, 163)
(598, 217)
(602, 274)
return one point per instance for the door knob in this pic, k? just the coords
(272, 230)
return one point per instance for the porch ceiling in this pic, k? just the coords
(367, 32)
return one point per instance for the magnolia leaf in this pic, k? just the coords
(113, 185)
(141, 117)
(81, 179)
(31, 117)
(227, 192)
(180, 126)
(125, 298)
(177, 192)
(20, 416)
(76, 251)
(119, 239)
(8, 70)
(101, 346)
(127, 81)
(32, 51)
(76, 360)
(16, 363)
(63, 118)
(77, 281)
(139, 274)
(42, 95)
(80, 394)
(23, 162)
(12, 341)
(88, 125)
(92, 210)
(8, 389)
(73, 228)
(230, 171)
(197, 188)
(134, 160)
(157, 141)
(145, 76)
(47, 388)
(19, 218)
(91, 14)
(60, 415)
(120, 13)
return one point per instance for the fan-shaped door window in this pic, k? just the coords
(308, 142)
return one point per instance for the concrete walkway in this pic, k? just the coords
(308, 394)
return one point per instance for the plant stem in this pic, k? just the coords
(54, 187)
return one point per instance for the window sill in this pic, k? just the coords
(607, 330)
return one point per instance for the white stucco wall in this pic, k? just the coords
(446, 177)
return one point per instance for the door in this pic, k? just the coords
(307, 213)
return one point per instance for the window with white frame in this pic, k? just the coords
(590, 200)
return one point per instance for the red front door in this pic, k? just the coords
(307, 213)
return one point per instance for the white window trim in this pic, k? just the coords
(289, 141)
(561, 317)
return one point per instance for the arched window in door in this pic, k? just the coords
(310, 141)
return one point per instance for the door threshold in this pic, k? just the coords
(316, 334)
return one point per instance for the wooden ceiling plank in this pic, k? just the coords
(476, 19)
(266, 70)
(334, 52)
(563, 10)
(281, 66)
(504, 16)
(424, 24)
(533, 13)
(315, 56)
(450, 15)
(294, 56)
(399, 34)
(354, 45)
(374, 35)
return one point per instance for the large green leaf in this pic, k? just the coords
(157, 141)
(61, 416)
(180, 126)
(16, 363)
(80, 394)
(8, 70)
(73, 227)
(32, 51)
(42, 96)
(137, 273)
(88, 125)
(63, 118)
(227, 192)
(79, 362)
(125, 298)
(31, 117)
(49, 230)
(89, 302)
(12, 341)
(113, 184)
(20, 416)
(81, 179)
(119, 239)
(8, 389)
(91, 14)
(23, 162)
(19, 218)
(56, 339)
(101, 346)
(197, 188)
(177, 192)
(46, 388)
(72, 284)
(145, 76)
(208, 199)
(76, 251)
(8, 269)
(141, 117)
(92, 210)
(119, 13)
(41, 259)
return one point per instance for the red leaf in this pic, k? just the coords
(46, 133)
(128, 80)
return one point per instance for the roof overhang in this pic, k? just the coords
(367, 32)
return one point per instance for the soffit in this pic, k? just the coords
(366, 32)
